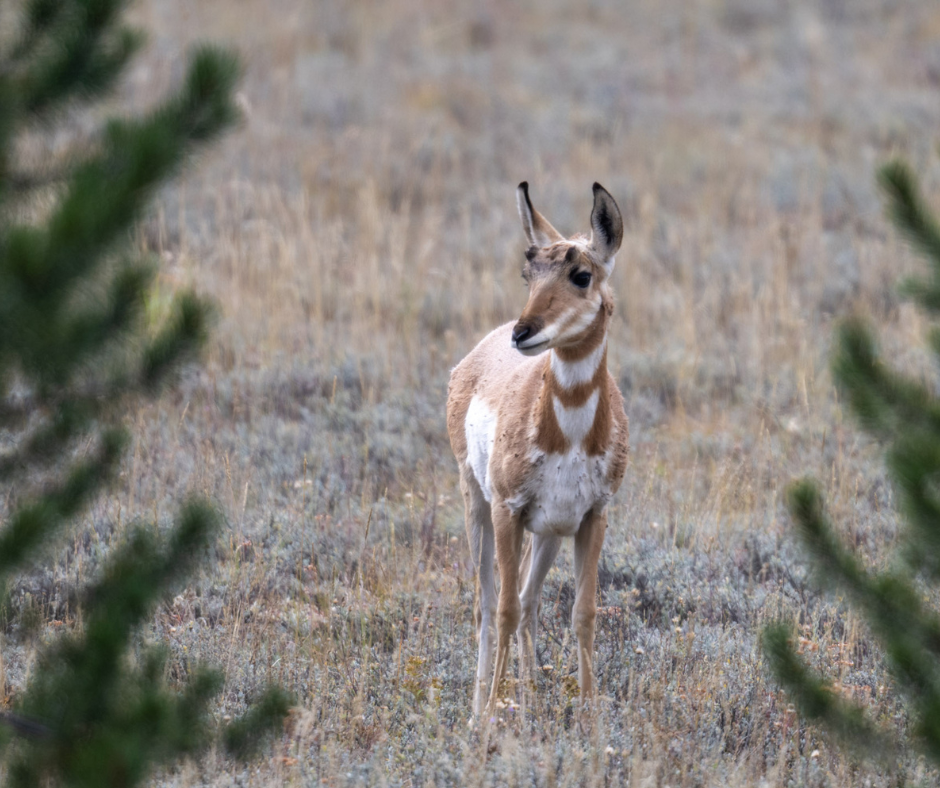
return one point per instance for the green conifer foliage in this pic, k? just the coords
(904, 415)
(74, 350)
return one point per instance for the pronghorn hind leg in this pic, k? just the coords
(588, 542)
(480, 537)
(526, 561)
(542, 553)
(508, 532)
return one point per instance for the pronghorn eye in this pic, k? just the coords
(580, 278)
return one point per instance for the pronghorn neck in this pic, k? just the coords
(573, 410)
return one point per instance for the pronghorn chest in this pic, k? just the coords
(569, 475)
(553, 489)
(551, 461)
(564, 486)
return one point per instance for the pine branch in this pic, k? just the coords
(244, 737)
(914, 461)
(916, 223)
(144, 571)
(83, 58)
(907, 210)
(107, 194)
(23, 726)
(181, 336)
(50, 439)
(71, 343)
(38, 269)
(818, 701)
(31, 526)
(892, 606)
(39, 18)
(905, 414)
(74, 412)
(103, 715)
(883, 402)
(20, 182)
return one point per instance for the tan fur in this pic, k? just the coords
(520, 389)
(522, 393)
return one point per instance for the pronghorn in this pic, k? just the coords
(541, 439)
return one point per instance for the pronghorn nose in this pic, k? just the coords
(520, 333)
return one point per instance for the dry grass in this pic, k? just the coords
(359, 234)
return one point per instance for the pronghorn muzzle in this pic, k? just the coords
(524, 332)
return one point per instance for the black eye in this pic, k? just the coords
(580, 278)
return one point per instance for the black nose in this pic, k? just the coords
(520, 333)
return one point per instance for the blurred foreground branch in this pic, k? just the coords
(75, 351)
(905, 415)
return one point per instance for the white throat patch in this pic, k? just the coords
(576, 423)
(573, 373)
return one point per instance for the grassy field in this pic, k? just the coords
(359, 235)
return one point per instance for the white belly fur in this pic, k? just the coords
(565, 488)
(480, 429)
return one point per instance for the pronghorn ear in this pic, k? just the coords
(538, 231)
(607, 224)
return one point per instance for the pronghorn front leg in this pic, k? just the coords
(587, 552)
(544, 549)
(480, 537)
(508, 531)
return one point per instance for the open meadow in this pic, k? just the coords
(359, 235)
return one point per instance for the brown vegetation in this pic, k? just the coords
(360, 235)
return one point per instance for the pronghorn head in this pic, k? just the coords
(569, 298)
